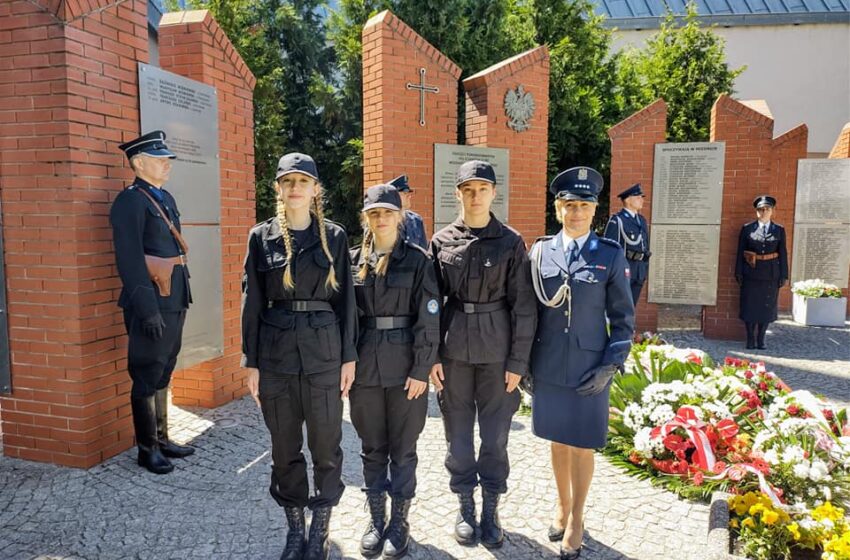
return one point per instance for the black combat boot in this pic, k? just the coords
(295, 535)
(370, 543)
(465, 525)
(492, 535)
(398, 533)
(144, 422)
(317, 545)
(169, 449)
(751, 336)
(761, 330)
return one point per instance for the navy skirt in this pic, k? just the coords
(560, 414)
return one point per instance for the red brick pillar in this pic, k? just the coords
(394, 143)
(755, 164)
(68, 97)
(841, 149)
(193, 45)
(633, 161)
(487, 125)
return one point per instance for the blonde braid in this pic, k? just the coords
(288, 282)
(319, 210)
(365, 253)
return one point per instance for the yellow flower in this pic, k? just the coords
(748, 522)
(733, 523)
(770, 517)
(794, 529)
(756, 509)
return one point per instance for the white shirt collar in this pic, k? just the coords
(565, 239)
(765, 225)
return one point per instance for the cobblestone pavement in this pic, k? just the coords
(216, 504)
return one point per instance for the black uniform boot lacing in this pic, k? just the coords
(398, 533)
(466, 525)
(317, 544)
(492, 534)
(370, 543)
(295, 540)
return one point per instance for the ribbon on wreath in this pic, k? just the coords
(687, 419)
(737, 472)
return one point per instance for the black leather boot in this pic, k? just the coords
(144, 422)
(492, 535)
(761, 330)
(398, 533)
(295, 534)
(370, 543)
(317, 545)
(465, 525)
(751, 336)
(169, 449)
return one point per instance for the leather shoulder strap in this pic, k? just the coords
(174, 231)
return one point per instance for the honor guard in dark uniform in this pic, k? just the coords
(584, 332)
(299, 340)
(414, 227)
(486, 329)
(151, 256)
(628, 228)
(761, 269)
(399, 311)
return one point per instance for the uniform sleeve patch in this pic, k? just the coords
(433, 307)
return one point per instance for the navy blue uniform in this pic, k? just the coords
(566, 347)
(139, 230)
(632, 233)
(414, 229)
(760, 284)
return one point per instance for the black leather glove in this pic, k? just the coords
(596, 379)
(154, 326)
(739, 279)
(527, 384)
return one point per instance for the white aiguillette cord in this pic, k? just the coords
(564, 293)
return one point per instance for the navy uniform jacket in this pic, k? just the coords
(490, 267)
(633, 235)
(277, 340)
(388, 357)
(600, 288)
(751, 239)
(414, 229)
(139, 230)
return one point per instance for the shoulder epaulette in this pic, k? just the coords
(610, 242)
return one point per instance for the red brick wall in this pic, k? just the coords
(393, 141)
(193, 45)
(632, 161)
(68, 97)
(841, 149)
(487, 125)
(756, 163)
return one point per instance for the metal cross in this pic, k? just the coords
(423, 89)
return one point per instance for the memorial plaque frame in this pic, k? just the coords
(701, 209)
(447, 158)
(5, 353)
(187, 110)
(696, 293)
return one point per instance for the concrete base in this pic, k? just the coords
(819, 312)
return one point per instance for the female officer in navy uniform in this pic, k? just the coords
(154, 313)
(299, 336)
(486, 326)
(397, 301)
(580, 279)
(761, 269)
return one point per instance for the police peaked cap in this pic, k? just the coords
(634, 190)
(764, 200)
(400, 183)
(151, 144)
(577, 183)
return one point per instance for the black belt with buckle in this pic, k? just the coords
(301, 305)
(470, 308)
(387, 323)
(636, 256)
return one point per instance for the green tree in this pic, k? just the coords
(686, 65)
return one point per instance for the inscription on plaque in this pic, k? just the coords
(687, 185)
(683, 268)
(821, 251)
(687, 194)
(187, 111)
(447, 158)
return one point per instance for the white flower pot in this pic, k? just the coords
(820, 312)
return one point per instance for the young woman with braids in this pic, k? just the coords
(299, 337)
(398, 304)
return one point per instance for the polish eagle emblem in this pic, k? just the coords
(519, 108)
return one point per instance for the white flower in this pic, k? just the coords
(818, 471)
(662, 414)
(793, 454)
(634, 416)
(643, 442)
(772, 457)
(801, 470)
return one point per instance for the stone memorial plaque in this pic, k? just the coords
(687, 186)
(5, 357)
(683, 268)
(823, 191)
(447, 158)
(187, 111)
(821, 251)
